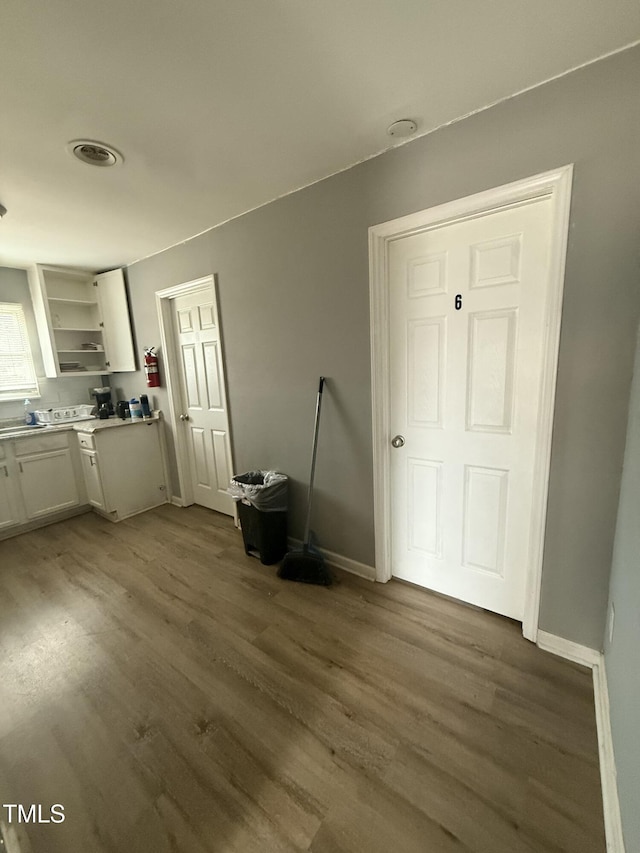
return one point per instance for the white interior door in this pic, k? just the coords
(204, 412)
(467, 338)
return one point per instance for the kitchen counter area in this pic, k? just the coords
(18, 429)
(96, 424)
(49, 472)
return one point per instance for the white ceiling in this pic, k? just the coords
(219, 107)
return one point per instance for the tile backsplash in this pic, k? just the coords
(65, 391)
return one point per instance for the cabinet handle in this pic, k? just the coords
(93, 460)
(20, 467)
(6, 471)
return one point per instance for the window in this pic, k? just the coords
(17, 374)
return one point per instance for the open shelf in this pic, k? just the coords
(83, 372)
(72, 301)
(74, 308)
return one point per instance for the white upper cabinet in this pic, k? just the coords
(116, 328)
(83, 321)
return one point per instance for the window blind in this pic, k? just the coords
(17, 374)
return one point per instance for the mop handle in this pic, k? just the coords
(307, 528)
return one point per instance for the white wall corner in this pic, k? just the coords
(176, 501)
(608, 777)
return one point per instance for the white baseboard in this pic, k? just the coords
(567, 649)
(608, 780)
(44, 521)
(176, 501)
(349, 565)
(340, 562)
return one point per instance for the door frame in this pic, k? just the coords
(164, 300)
(554, 185)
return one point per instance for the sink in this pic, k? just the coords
(21, 428)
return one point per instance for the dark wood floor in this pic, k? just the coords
(174, 695)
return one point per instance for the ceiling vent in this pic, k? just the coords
(94, 153)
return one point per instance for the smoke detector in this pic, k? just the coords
(94, 153)
(403, 127)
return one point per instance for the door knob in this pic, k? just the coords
(184, 417)
(397, 441)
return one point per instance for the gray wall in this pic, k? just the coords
(621, 656)
(293, 282)
(14, 287)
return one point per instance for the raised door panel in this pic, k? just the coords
(202, 472)
(491, 370)
(211, 362)
(114, 311)
(495, 262)
(425, 517)
(191, 381)
(425, 375)
(485, 515)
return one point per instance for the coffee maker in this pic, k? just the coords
(103, 399)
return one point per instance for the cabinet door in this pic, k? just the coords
(114, 312)
(48, 482)
(9, 514)
(92, 478)
(133, 470)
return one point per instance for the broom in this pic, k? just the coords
(307, 565)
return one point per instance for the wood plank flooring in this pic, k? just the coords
(177, 697)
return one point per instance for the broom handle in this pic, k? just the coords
(307, 527)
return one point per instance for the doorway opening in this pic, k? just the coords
(197, 388)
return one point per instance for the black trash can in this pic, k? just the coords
(262, 507)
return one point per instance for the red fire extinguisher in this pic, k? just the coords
(151, 367)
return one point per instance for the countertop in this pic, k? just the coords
(87, 425)
(108, 423)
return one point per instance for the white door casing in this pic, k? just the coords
(461, 507)
(197, 391)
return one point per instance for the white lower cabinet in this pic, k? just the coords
(39, 477)
(123, 465)
(48, 482)
(92, 479)
(9, 502)
(117, 468)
